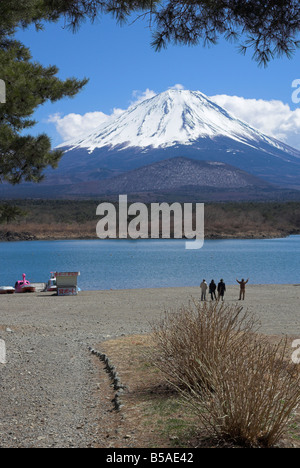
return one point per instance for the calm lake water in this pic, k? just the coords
(126, 264)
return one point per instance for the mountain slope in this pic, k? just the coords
(182, 179)
(173, 179)
(178, 173)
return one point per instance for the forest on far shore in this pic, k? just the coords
(72, 219)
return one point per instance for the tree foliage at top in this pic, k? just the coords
(270, 28)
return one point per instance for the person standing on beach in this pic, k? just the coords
(242, 284)
(221, 290)
(203, 287)
(212, 290)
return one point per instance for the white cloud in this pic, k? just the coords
(274, 118)
(177, 86)
(74, 125)
(140, 96)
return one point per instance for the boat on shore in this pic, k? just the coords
(24, 286)
(7, 290)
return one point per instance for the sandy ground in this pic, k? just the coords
(52, 392)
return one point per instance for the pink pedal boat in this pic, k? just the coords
(24, 286)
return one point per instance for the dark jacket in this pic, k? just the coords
(221, 287)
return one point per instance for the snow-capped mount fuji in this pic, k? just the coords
(177, 123)
(174, 117)
(153, 142)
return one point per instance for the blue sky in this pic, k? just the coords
(122, 65)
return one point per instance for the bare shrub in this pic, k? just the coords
(253, 395)
(241, 387)
(190, 342)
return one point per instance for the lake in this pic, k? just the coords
(126, 264)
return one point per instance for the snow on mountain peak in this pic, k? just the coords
(173, 117)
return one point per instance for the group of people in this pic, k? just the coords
(214, 289)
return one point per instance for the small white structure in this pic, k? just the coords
(67, 283)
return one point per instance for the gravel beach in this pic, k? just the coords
(53, 393)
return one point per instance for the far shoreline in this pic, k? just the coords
(28, 237)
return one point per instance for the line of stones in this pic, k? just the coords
(116, 382)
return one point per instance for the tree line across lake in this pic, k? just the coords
(77, 219)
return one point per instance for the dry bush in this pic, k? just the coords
(254, 394)
(241, 387)
(190, 341)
